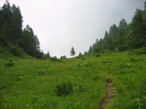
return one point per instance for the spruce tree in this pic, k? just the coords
(72, 52)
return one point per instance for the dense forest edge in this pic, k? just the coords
(124, 36)
(13, 37)
(19, 40)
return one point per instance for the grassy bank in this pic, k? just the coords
(73, 83)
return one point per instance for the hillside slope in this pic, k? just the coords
(73, 83)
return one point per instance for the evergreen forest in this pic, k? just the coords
(13, 37)
(124, 36)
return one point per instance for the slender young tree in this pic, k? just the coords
(48, 54)
(72, 52)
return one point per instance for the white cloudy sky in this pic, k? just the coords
(61, 24)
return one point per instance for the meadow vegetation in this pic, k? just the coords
(77, 83)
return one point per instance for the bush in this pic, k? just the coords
(45, 57)
(15, 50)
(133, 60)
(64, 89)
(63, 57)
(53, 58)
(98, 55)
(10, 64)
(39, 54)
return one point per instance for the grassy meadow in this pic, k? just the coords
(77, 83)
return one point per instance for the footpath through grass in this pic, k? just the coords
(73, 83)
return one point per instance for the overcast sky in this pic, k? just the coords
(61, 24)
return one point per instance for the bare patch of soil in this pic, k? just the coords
(110, 93)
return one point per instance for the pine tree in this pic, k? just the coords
(72, 52)
(13, 37)
(30, 42)
(137, 38)
(16, 25)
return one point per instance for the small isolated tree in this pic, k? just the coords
(72, 52)
(48, 54)
(80, 54)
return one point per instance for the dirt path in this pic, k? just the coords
(110, 93)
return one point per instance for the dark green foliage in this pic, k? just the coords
(45, 57)
(64, 89)
(30, 42)
(98, 55)
(63, 57)
(11, 33)
(10, 64)
(137, 36)
(124, 37)
(72, 52)
(90, 50)
(16, 25)
(17, 51)
(133, 60)
(80, 55)
(53, 58)
(122, 24)
(113, 41)
(39, 54)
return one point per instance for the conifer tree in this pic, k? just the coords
(72, 52)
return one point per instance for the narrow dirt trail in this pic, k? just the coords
(110, 93)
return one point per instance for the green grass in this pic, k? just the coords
(32, 84)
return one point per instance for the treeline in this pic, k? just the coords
(124, 36)
(15, 38)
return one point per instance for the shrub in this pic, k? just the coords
(10, 64)
(64, 89)
(45, 57)
(53, 58)
(63, 57)
(133, 60)
(15, 50)
(98, 55)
